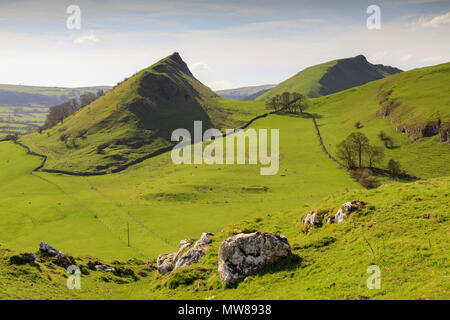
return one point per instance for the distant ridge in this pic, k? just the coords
(245, 93)
(332, 77)
(27, 96)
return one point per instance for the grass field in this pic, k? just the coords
(156, 195)
(403, 229)
(21, 120)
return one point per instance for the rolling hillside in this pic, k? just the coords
(29, 96)
(136, 118)
(403, 229)
(331, 77)
(24, 108)
(418, 118)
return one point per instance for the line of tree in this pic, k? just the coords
(60, 112)
(289, 102)
(360, 157)
(356, 152)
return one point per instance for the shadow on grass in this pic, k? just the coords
(290, 263)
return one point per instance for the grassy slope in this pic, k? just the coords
(130, 133)
(423, 98)
(404, 231)
(406, 225)
(156, 195)
(305, 82)
(331, 77)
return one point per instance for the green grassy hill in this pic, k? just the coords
(331, 77)
(403, 229)
(137, 118)
(420, 100)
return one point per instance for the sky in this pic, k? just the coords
(226, 43)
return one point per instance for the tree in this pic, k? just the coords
(285, 99)
(359, 144)
(272, 104)
(345, 154)
(374, 155)
(394, 168)
(300, 103)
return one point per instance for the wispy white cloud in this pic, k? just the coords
(91, 37)
(244, 52)
(433, 22)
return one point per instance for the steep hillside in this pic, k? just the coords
(137, 118)
(412, 107)
(331, 77)
(245, 93)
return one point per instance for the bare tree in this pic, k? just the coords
(345, 154)
(359, 144)
(374, 155)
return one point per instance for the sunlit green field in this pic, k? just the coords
(162, 202)
(403, 229)
(20, 120)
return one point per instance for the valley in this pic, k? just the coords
(129, 218)
(23, 109)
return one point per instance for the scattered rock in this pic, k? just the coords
(186, 243)
(60, 258)
(311, 220)
(166, 263)
(105, 268)
(190, 257)
(246, 254)
(345, 210)
(92, 265)
(204, 239)
(48, 250)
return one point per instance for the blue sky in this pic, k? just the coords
(225, 43)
